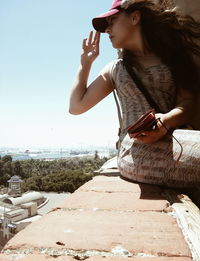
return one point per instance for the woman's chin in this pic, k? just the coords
(116, 46)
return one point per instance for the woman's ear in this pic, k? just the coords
(136, 15)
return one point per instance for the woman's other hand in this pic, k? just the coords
(156, 134)
(90, 48)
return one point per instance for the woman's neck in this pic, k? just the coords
(138, 45)
(147, 60)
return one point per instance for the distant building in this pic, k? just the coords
(16, 210)
(14, 188)
(33, 196)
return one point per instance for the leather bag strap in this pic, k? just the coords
(142, 88)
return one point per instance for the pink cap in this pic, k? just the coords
(100, 23)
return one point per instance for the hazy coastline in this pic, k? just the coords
(54, 153)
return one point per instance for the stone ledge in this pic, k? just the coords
(114, 201)
(103, 231)
(106, 219)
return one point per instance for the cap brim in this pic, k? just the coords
(100, 23)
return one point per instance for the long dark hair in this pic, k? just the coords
(172, 37)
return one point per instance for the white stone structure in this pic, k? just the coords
(18, 212)
(33, 196)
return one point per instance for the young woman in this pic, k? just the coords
(159, 45)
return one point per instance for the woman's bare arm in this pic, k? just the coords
(84, 97)
(183, 112)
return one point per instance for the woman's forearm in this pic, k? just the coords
(79, 88)
(181, 115)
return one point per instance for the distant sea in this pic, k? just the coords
(19, 154)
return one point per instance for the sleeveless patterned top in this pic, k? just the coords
(159, 83)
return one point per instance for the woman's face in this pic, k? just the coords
(122, 30)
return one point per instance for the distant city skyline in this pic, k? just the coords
(40, 51)
(56, 153)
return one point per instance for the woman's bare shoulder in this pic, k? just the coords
(110, 67)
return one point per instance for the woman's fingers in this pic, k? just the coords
(147, 138)
(90, 38)
(96, 38)
(90, 47)
(90, 42)
(96, 41)
(84, 43)
(152, 136)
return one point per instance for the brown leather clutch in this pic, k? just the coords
(146, 122)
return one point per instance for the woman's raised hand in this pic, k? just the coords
(90, 48)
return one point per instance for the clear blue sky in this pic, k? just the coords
(39, 55)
